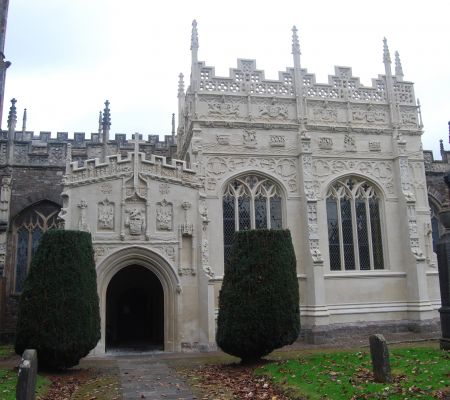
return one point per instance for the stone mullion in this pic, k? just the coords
(355, 233)
(369, 233)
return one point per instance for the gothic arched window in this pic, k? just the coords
(354, 227)
(435, 225)
(28, 227)
(250, 202)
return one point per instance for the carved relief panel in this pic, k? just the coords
(105, 219)
(164, 216)
(135, 218)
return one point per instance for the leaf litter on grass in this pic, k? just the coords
(348, 375)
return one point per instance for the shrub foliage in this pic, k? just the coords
(59, 307)
(259, 299)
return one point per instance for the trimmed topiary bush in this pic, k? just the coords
(259, 299)
(59, 307)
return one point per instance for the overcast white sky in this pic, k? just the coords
(68, 56)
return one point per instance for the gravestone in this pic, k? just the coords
(379, 353)
(26, 382)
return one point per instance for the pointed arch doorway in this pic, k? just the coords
(135, 310)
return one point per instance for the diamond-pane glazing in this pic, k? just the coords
(377, 244)
(276, 221)
(244, 213)
(251, 194)
(260, 212)
(363, 240)
(229, 226)
(333, 235)
(347, 234)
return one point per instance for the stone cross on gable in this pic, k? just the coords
(137, 139)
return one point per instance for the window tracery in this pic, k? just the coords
(354, 226)
(250, 202)
(28, 227)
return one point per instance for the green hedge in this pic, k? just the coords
(59, 307)
(259, 299)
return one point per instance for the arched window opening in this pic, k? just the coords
(435, 225)
(250, 202)
(354, 227)
(28, 227)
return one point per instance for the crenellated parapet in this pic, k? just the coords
(41, 149)
(135, 163)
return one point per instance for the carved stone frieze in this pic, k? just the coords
(380, 170)
(105, 215)
(56, 154)
(409, 118)
(273, 111)
(223, 110)
(284, 168)
(325, 114)
(20, 153)
(370, 115)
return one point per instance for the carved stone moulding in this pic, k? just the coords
(249, 125)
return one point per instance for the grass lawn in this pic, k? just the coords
(8, 381)
(419, 372)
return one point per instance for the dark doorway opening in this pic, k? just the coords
(135, 311)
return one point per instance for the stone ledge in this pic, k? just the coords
(339, 333)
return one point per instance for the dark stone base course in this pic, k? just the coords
(335, 333)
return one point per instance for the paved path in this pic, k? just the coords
(152, 380)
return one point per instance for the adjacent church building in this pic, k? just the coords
(339, 164)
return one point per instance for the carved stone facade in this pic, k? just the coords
(340, 164)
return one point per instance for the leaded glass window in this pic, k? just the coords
(28, 228)
(354, 226)
(250, 202)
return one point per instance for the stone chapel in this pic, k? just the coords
(339, 164)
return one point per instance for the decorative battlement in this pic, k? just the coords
(247, 79)
(43, 149)
(116, 165)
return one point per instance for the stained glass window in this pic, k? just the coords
(250, 202)
(354, 226)
(28, 227)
